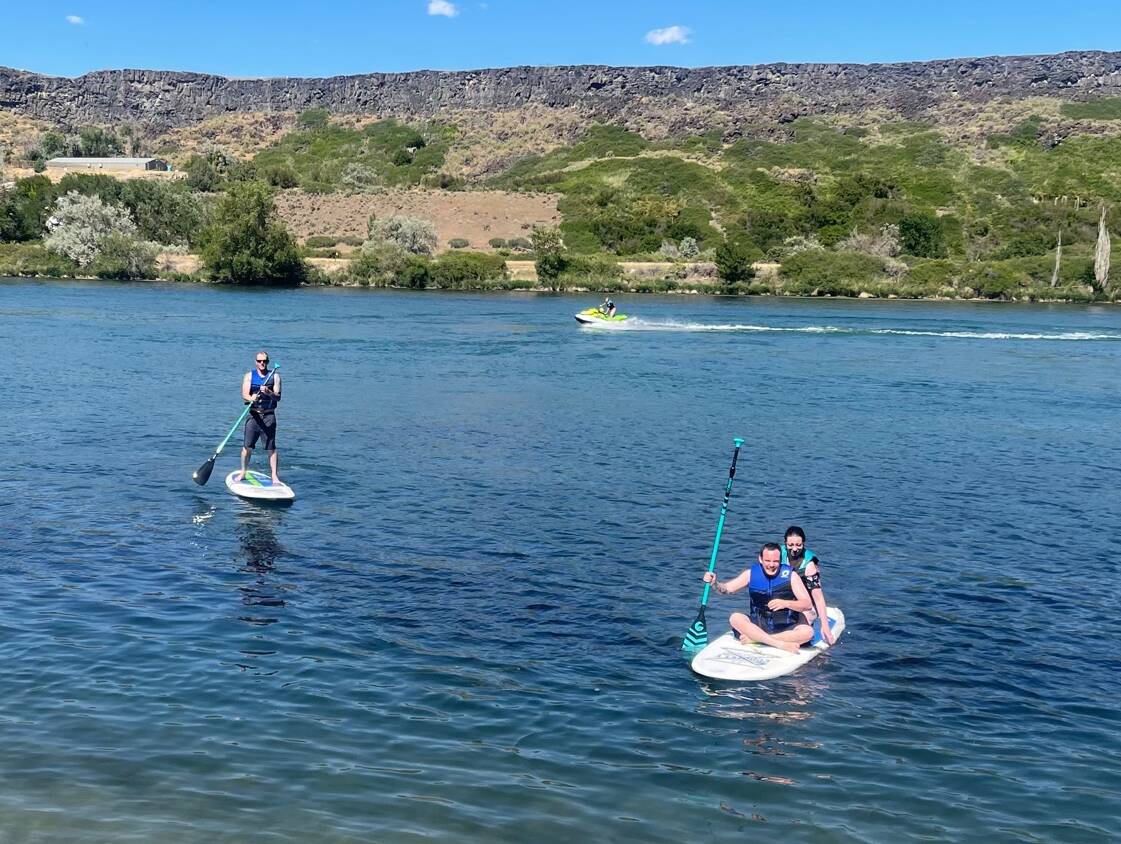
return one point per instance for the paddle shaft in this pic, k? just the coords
(241, 418)
(720, 523)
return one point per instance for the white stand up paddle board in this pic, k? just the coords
(727, 659)
(259, 486)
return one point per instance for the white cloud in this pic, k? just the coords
(669, 35)
(442, 7)
(75, 20)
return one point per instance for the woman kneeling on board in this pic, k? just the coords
(778, 599)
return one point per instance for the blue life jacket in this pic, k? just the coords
(255, 382)
(763, 589)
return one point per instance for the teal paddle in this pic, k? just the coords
(202, 473)
(697, 637)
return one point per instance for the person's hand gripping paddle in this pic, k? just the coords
(697, 637)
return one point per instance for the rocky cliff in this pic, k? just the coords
(163, 99)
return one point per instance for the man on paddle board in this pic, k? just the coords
(778, 601)
(261, 389)
(808, 566)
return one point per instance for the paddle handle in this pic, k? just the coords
(738, 442)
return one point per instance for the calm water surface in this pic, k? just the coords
(467, 626)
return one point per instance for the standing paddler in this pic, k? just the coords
(260, 389)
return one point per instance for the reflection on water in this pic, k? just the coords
(786, 701)
(259, 552)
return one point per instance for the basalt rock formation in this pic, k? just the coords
(165, 99)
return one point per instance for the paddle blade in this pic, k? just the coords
(697, 637)
(202, 473)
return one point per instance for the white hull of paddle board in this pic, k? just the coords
(727, 659)
(259, 486)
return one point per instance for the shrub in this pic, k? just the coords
(208, 171)
(125, 257)
(33, 259)
(360, 178)
(79, 225)
(591, 268)
(519, 244)
(995, 280)
(688, 248)
(465, 269)
(318, 241)
(313, 118)
(833, 273)
(245, 244)
(411, 234)
(1103, 109)
(733, 262)
(921, 235)
(882, 244)
(401, 158)
(551, 259)
(458, 243)
(497, 243)
(281, 176)
(416, 272)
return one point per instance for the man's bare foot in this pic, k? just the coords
(276, 481)
(239, 477)
(789, 647)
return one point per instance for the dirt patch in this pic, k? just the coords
(474, 216)
(176, 263)
(55, 174)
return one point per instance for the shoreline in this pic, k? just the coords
(536, 289)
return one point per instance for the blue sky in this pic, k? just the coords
(284, 38)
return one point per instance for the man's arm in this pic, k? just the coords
(729, 586)
(274, 385)
(801, 601)
(245, 382)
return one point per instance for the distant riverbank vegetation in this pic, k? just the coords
(807, 208)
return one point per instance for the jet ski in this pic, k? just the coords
(594, 316)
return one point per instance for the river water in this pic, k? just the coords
(467, 626)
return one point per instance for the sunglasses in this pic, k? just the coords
(262, 360)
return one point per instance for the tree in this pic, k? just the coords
(97, 142)
(551, 261)
(689, 248)
(1058, 260)
(733, 262)
(412, 234)
(1101, 254)
(246, 245)
(24, 209)
(79, 224)
(165, 212)
(921, 235)
(207, 171)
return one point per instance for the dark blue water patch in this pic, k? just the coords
(468, 624)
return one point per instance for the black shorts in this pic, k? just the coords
(261, 425)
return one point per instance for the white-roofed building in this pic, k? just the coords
(113, 165)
